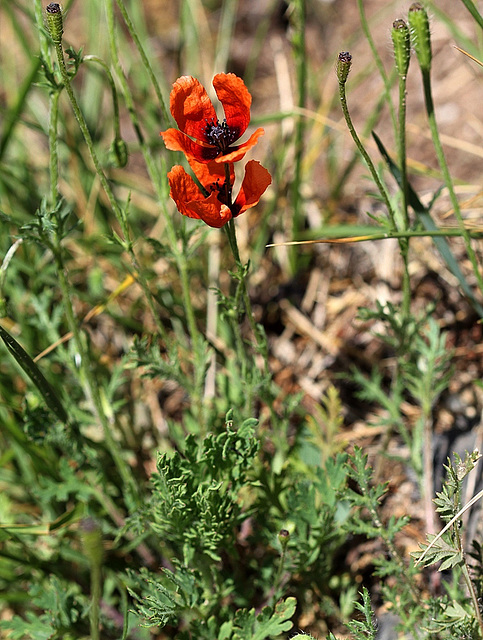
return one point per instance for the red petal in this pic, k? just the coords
(191, 106)
(183, 190)
(237, 153)
(254, 184)
(192, 203)
(236, 101)
(177, 141)
(212, 172)
(211, 211)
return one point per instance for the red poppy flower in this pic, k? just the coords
(201, 136)
(212, 205)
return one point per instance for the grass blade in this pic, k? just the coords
(31, 369)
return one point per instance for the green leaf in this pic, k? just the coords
(31, 369)
(267, 624)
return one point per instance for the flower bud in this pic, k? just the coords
(402, 46)
(344, 63)
(119, 152)
(54, 22)
(283, 538)
(91, 537)
(419, 24)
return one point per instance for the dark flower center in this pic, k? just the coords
(221, 190)
(218, 134)
(224, 195)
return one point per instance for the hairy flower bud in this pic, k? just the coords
(55, 22)
(91, 537)
(344, 63)
(402, 46)
(119, 152)
(419, 24)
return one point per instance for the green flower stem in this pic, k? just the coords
(369, 125)
(447, 176)
(44, 44)
(84, 129)
(144, 58)
(242, 273)
(91, 386)
(115, 101)
(54, 161)
(404, 244)
(380, 67)
(283, 537)
(104, 182)
(467, 578)
(298, 42)
(157, 179)
(363, 152)
(91, 538)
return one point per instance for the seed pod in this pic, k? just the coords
(419, 25)
(54, 22)
(344, 63)
(402, 46)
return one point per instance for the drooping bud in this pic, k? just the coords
(55, 22)
(419, 24)
(402, 46)
(344, 63)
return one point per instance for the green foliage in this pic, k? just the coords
(366, 628)
(194, 505)
(62, 605)
(160, 474)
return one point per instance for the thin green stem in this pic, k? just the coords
(278, 575)
(298, 41)
(144, 58)
(242, 273)
(115, 101)
(91, 386)
(404, 244)
(378, 61)
(342, 178)
(96, 586)
(158, 180)
(447, 176)
(469, 583)
(401, 139)
(44, 45)
(53, 161)
(84, 129)
(365, 155)
(105, 184)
